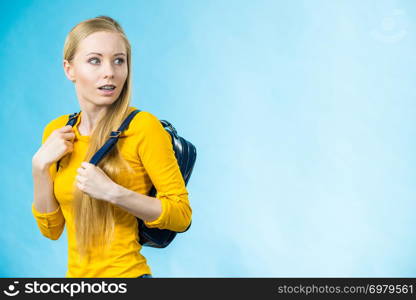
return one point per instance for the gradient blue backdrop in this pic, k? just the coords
(303, 114)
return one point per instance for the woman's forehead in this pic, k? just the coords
(105, 43)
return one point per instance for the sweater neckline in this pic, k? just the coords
(80, 137)
(86, 138)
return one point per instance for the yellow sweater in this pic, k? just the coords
(147, 148)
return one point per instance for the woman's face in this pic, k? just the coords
(101, 59)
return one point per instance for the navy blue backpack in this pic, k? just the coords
(185, 153)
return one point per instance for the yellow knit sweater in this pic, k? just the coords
(147, 148)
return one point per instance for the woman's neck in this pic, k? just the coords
(89, 119)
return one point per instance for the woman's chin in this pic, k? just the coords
(103, 101)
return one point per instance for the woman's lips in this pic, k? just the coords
(107, 92)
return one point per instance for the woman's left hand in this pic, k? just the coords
(93, 181)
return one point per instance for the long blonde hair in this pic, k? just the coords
(94, 219)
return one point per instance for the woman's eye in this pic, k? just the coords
(121, 60)
(93, 59)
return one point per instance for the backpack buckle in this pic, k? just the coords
(115, 134)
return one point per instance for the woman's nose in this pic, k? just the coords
(108, 70)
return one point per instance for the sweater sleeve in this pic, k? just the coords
(51, 224)
(157, 155)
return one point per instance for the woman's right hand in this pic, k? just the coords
(58, 144)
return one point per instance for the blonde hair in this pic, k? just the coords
(94, 219)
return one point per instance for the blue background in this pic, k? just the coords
(302, 112)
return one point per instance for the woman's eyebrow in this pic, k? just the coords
(102, 55)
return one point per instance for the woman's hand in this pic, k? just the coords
(93, 181)
(58, 144)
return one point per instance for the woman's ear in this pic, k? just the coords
(69, 71)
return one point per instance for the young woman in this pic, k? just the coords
(99, 204)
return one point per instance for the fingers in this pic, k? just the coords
(85, 164)
(69, 145)
(79, 178)
(67, 128)
(69, 136)
(65, 132)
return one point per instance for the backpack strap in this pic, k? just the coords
(71, 121)
(114, 135)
